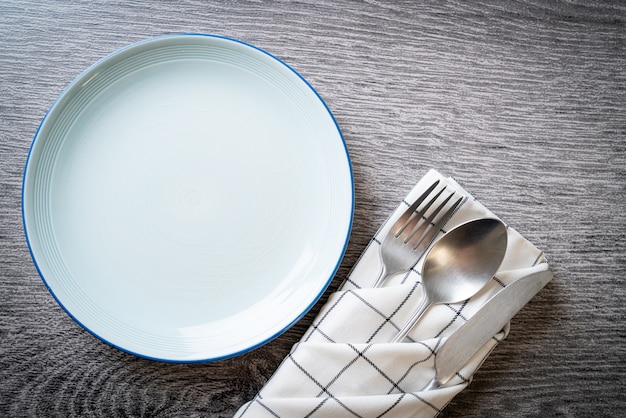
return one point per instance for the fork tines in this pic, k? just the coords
(414, 231)
(419, 235)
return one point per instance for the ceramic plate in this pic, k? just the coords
(188, 198)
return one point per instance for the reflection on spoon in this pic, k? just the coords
(459, 265)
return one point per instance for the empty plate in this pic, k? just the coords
(188, 198)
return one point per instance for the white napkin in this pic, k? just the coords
(344, 366)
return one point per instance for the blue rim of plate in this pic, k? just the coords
(271, 337)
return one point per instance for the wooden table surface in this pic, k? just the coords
(523, 102)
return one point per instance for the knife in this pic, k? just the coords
(461, 346)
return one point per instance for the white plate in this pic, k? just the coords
(188, 198)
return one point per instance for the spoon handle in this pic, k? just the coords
(414, 319)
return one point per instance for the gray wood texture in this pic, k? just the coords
(523, 102)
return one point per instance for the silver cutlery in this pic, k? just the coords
(413, 233)
(461, 346)
(459, 265)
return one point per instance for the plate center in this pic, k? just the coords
(183, 201)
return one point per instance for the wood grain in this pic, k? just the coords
(523, 102)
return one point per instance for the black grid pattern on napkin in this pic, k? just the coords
(379, 321)
(328, 400)
(326, 393)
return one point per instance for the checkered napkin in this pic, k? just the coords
(344, 365)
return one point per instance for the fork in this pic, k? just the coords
(413, 233)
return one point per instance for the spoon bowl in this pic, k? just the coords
(459, 265)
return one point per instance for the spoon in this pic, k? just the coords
(459, 265)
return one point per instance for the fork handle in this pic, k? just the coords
(382, 276)
(413, 320)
